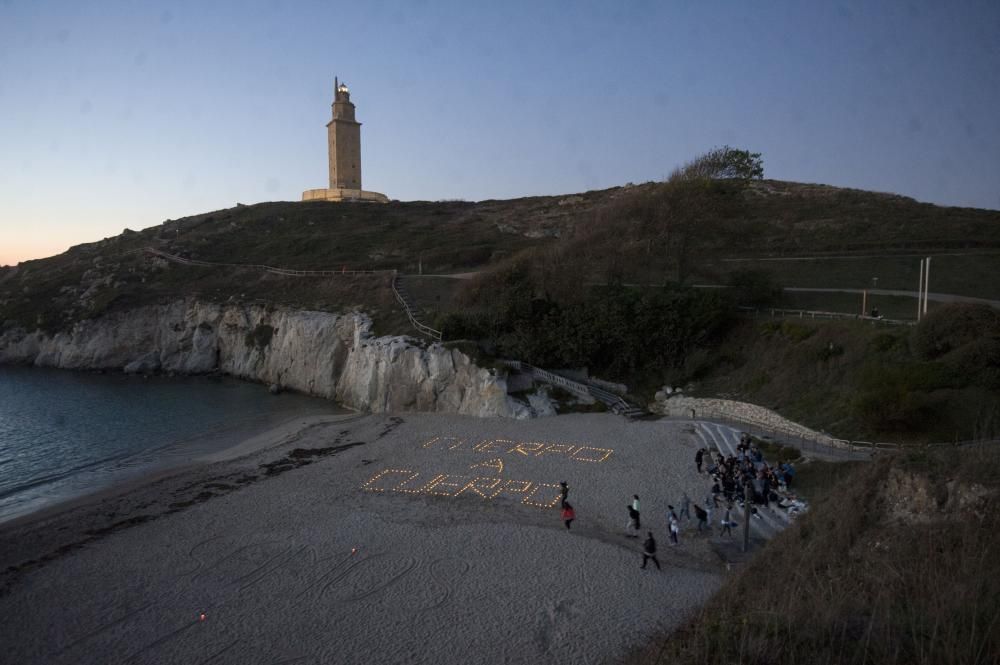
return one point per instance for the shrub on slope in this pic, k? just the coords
(898, 564)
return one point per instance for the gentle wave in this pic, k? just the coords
(64, 433)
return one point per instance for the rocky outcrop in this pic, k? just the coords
(319, 353)
(912, 498)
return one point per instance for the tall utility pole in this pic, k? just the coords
(923, 287)
(927, 282)
(747, 507)
(920, 290)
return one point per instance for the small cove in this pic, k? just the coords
(65, 434)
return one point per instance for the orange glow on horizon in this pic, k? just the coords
(14, 253)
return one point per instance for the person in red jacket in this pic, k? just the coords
(568, 514)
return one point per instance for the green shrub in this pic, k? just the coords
(884, 342)
(796, 332)
(759, 380)
(831, 350)
(978, 362)
(952, 326)
(897, 397)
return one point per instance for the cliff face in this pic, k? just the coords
(329, 355)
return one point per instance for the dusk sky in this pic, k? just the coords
(125, 114)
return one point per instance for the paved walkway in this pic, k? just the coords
(937, 297)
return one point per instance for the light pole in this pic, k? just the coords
(748, 506)
(922, 287)
(874, 309)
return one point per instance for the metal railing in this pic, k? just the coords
(776, 313)
(419, 325)
(614, 402)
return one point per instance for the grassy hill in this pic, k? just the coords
(650, 234)
(939, 381)
(897, 562)
(598, 279)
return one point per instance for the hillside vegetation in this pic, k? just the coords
(600, 279)
(938, 381)
(898, 563)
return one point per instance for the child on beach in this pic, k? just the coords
(563, 493)
(568, 514)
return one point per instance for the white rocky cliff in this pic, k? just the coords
(324, 354)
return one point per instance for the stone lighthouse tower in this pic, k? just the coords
(343, 134)
(344, 140)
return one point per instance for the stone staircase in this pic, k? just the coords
(768, 521)
(616, 404)
(412, 311)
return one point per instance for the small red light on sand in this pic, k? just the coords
(354, 550)
(201, 617)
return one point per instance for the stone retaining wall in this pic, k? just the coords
(341, 194)
(727, 409)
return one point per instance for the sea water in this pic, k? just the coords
(64, 434)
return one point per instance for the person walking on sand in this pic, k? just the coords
(674, 530)
(686, 507)
(632, 526)
(727, 523)
(563, 493)
(702, 516)
(649, 551)
(635, 502)
(568, 514)
(698, 458)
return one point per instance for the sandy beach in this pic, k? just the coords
(417, 538)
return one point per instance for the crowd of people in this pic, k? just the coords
(747, 477)
(744, 479)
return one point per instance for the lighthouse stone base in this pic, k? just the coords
(341, 194)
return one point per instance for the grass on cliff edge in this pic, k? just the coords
(897, 564)
(939, 381)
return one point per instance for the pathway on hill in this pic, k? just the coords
(823, 257)
(412, 312)
(937, 297)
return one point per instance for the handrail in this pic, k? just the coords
(580, 389)
(574, 387)
(423, 328)
(817, 314)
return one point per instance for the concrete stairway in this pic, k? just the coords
(767, 522)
